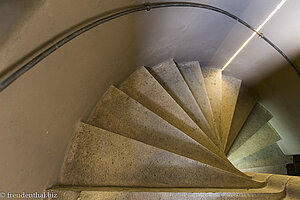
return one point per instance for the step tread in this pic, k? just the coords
(213, 83)
(101, 158)
(264, 137)
(274, 169)
(274, 189)
(292, 189)
(245, 103)
(169, 76)
(270, 155)
(119, 113)
(192, 75)
(145, 89)
(258, 117)
(121, 195)
(230, 91)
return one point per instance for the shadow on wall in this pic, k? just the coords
(46, 44)
(156, 36)
(40, 110)
(281, 96)
(12, 16)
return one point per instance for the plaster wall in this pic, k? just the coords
(264, 70)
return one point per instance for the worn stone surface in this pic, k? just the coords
(259, 176)
(100, 158)
(274, 189)
(145, 89)
(293, 189)
(146, 146)
(258, 117)
(245, 103)
(275, 169)
(169, 76)
(192, 75)
(270, 155)
(178, 196)
(230, 92)
(264, 137)
(119, 113)
(213, 84)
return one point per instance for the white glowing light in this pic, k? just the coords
(253, 34)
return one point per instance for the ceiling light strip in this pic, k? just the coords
(253, 34)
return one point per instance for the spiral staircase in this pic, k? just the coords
(177, 131)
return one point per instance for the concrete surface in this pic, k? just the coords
(271, 191)
(213, 84)
(230, 91)
(119, 113)
(192, 74)
(264, 137)
(270, 155)
(258, 117)
(145, 89)
(119, 195)
(169, 76)
(274, 169)
(292, 189)
(100, 158)
(245, 103)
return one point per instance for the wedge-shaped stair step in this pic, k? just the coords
(292, 189)
(275, 169)
(245, 103)
(257, 119)
(269, 156)
(100, 158)
(230, 91)
(145, 89)
(192, 74)
(274, 190)
(175, 194)
(169, 76)
(213, 83)
(264, 137)
(119, 113)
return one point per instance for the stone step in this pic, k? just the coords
(213, 83)
(292, 189)
(258, 117)
(264, 137)
(152, 194)
(192, 75)
(230, 91)
(101, 158)
(119, 113)
(274, 169)
(145, 89)
(245, 103)
(273, 190)
(269, 156)
(169, 76)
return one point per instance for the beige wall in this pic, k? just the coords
(266, 72)
(39, 112)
